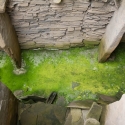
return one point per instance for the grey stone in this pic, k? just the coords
(91, 42)
(76, 115)
(68, 120)
(115, 113)
(18, 93)
(71, 18)
(9, 39)
(113, 35)
(97, 4)
(8, 106)
(94, 112)
(61, 101)
(82, 104)
(41, 113)
(106, 99)
(91, 121)
(84, 114)
(2, 6)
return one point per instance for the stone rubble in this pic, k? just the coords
(84, 116)
(68, 24)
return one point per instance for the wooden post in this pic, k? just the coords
(113, 35)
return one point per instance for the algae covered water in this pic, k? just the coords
(74, 73)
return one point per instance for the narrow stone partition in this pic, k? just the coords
(113, 34)
(115, 113)
(8, 38)
(8, 106)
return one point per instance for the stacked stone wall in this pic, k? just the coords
(41, 23)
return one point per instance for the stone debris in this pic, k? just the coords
(2, 6)
(91, 121)
(84, 116)
(41, 114)
(8, 106)
(113, 34)
(95, 111)
(18, 93)
(42, 22)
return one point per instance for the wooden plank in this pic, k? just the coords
(8, 107)
(113, 35)
(8, 39)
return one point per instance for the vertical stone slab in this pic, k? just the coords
(3, 5)
(8, 106)
(115, 113)
(114, 33)
(8, 39)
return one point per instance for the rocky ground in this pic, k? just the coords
(82, 112)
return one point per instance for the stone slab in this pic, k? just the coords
(3, 6)
(8, 39)
(8, 106)
(95, 111)
(115, 113)
(113, 35)
(43, 114)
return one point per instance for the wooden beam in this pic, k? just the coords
(113, 34)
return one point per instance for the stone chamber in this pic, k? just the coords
(30, 24)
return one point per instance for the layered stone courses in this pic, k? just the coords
(43, 23)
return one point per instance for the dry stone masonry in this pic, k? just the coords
(43, 23)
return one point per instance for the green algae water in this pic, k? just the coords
(74, 73)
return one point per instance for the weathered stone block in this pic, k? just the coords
(87, 42)
(9, 42)
(95, 111)
(114, 33)
(91, 121)
(115, 113)
(3, 5)
(8, 106)
(97, 4)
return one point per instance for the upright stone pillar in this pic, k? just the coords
(8, 38)
(115, 113)
(8, 107)
(113, 34)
